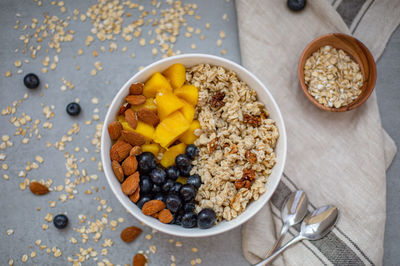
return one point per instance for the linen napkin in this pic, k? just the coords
(337, 158)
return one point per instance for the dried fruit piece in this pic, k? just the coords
(129, 166)
(251, 157)
(246, 180)
(212, 145)
(165, 216)
(130, 233)
(135, 196)
(252, 120)
(136, 150)
(133, 138)
(130, 184)
(119, 173)
(38, 189)
(123, 108)
(120, 150)
(114, 130)
(152, 207)
(130, 117)
(148, 116)
(135, 99)
(139, 260)
(136, 88)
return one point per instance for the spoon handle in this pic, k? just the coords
(282, 234)
(279, 251)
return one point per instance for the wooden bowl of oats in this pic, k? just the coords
(337, 72)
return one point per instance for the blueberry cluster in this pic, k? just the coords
(161, 184)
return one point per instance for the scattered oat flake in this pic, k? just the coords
(24, 258)
(178, 244)
(8, 74)
(193, 46)
(10, 232)
(17, 63)
(148, 236)
(95, 100)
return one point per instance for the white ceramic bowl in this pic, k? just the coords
(263, 95)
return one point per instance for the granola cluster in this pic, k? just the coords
(236, 142)
(332, 77)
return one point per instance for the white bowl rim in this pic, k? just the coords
(240, 219)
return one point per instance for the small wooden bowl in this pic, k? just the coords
(357, 51)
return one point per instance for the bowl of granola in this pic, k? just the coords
(193, 145)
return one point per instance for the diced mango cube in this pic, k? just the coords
(182, 180)
(176, 75)
(154, 148)
(168, 158)
(170, 129)
(188, 111)
(189, 137)
(189, 93)
(167, 103)
(144, 129)
(149, 104)
(157, 83)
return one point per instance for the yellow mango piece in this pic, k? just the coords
(189, 93)
(176, 75)
(169, 129)
(189, 137)
(154, 148)
(144, 129)
(182, 180)
(149, 104)
(188, 111)
(167, 103)
(169, 156)
(157, 83)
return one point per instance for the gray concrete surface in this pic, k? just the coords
(19, 208)
(388, 91)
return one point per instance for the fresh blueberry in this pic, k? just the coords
(172, 173)
(176, 188)
(187, 192)
(145, 184)
(146, 162)
(192, 151)
(173, 202)
(143, 199)
(189, 206)
(182, 161)
(296, 5)
(31, 81)
(206, 218)
(60, 221)
(194, 180)
(178, 219)
(159, 196)
(156, 189)
(158, 176)
(185, 172)
(73, 109)
(189, 220)
(166, 187)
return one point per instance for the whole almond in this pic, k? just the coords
(38, 189)
(120, 150)
(119, 173)
(136, 88)
(135, 99)
(135, 196)
(114, 130)
(139, 260)
(130, 117)
(129, 166)
(152, 207)
(135, 151)
(148, 116)
(123, 108)
(133, 138)
(130, 184)
(130, 233)
(165, 216)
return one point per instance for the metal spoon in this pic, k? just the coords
(293, 212)
(315, 226)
